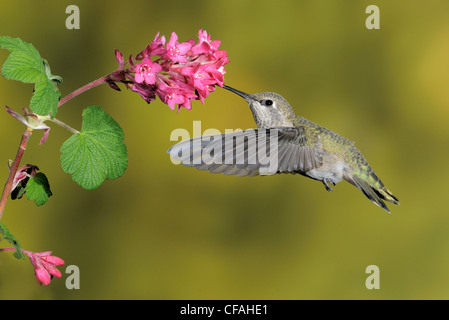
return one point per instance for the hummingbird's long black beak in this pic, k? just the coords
(238, 92)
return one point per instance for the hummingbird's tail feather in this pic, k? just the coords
(387, 195)
(375, 193)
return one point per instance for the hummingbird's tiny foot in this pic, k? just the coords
(327, 186)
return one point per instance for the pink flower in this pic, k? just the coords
(204, 77)
(144, 91)
(205, 45)
(176, 51)
(119, 57)
(172, 95)
(146, 71)
(43, 263)
(156, 48)
(201, 79)
(23, 173)
(44, 266)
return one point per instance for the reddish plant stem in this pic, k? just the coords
(13, 169)
(26, 135)
(83, 89)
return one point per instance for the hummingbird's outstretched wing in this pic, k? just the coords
(250, 152)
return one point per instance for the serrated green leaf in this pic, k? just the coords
(17, 44)
(45, 98)
(38, 189)
(19, 66)
(97, 152)
(24, 63)
(6, 235)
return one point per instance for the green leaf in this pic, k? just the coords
(17, 44)
(97, 152)
(38, 189)
(24, 63)
(45, 98)
(18, 66)
(6, 235)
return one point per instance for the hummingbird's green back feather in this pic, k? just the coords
(361, 174)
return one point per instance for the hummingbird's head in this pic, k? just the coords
(269, 109)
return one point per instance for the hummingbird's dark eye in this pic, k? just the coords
(268, 103)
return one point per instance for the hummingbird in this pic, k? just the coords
(301, 146)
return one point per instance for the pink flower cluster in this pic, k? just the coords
(44, 266)
(175, 72)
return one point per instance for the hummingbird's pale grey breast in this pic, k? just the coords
(300, 146)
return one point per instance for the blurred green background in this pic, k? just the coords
(171, 232)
